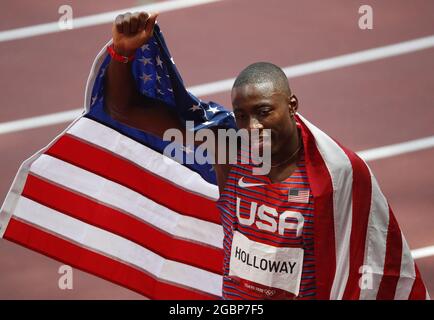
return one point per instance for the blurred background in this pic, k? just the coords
(365, 104)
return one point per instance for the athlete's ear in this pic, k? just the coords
(293, 104)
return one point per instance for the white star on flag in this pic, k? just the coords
(146, 77)
(145, 47)
(194, 107)
(158, 78)
(213, 109)
(145, 61)
(160, 92)
(159, 62)
(102, 72)
(93, 100)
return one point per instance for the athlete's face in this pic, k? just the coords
(261, 106)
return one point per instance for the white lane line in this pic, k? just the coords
(423, 252)
(96, 19)
(40, 121)
(226, 85)
(397, 149)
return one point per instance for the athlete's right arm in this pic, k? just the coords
(123, 101)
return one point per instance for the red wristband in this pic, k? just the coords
(118, 57)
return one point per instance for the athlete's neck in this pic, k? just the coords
(284, 161)
(288, 152)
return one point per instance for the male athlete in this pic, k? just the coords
(298, 232)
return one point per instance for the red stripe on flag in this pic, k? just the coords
(109, 166)
(131, 228)
(97, 264)
(321, 186)
(418, 292)
(392, 261)
(361, 197)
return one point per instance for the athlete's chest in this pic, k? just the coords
(258, 208)
(268, 234)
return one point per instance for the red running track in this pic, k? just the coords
(364, 106)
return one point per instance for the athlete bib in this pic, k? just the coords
(273, 272)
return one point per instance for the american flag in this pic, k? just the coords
(103, 198)
(298, 195)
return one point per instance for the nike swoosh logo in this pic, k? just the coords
(243, 184)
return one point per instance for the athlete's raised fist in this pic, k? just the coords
(132, 30)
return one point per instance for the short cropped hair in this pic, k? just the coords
(262, 72)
